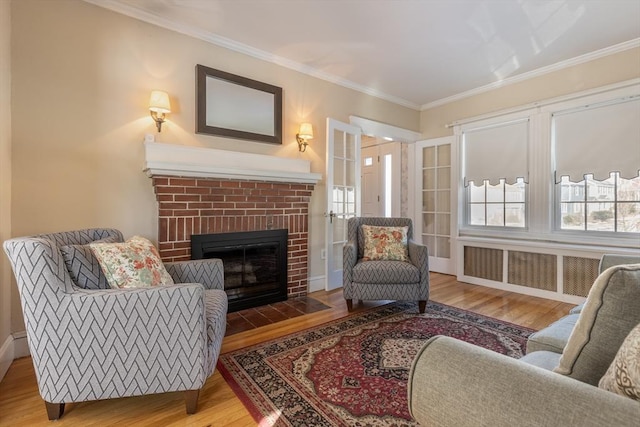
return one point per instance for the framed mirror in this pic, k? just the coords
(237, 107)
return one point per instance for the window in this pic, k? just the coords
(564, 170)
(495, 170)
(612, 204)
(597, 158)
(388, 174)
(501, 205)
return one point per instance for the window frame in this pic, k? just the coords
(543, 206)
(504, 203)
(464, 222)
(585, 202)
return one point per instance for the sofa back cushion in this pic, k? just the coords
(611, 311)
(609, 260)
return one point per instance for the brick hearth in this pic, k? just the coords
(189, 206)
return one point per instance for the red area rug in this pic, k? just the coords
(353, 371)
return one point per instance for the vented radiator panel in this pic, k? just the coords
(533, 270)
(483, 263)
(578, 275)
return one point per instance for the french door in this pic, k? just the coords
(436, 201)
(343, 193)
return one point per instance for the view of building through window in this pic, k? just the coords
(612, 204)
(501, 205)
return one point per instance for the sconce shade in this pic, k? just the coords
(159, 102)
(304, 135)
(306, 131)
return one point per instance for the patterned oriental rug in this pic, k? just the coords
(353, 371)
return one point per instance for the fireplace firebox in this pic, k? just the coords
(255, 264)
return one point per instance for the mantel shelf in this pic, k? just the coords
(200, 162)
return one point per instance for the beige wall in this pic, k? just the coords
(5, 169)
(81, 81)
(600, 72)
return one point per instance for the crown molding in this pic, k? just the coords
(134, 12)
(620, 47)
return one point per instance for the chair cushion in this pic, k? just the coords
(542, 359)
(577, 309)
(385, 243)
(612, 309)
(133, 264)
(554, 337)
(623, 375)
(83, 266)
(391, 272)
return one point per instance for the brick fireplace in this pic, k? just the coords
(189, 206)
(205, 191)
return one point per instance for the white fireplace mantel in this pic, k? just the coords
(200, 162)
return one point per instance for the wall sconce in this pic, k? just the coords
(158, 106)
(304, 134)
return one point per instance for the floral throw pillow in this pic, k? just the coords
(133, 264)
(623, 375)
(385, 243)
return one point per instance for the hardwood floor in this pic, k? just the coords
(21, 405)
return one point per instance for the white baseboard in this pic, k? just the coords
(6, 356)
(317, 283)
(20, 345)
(13, 347)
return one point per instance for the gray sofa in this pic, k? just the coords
(453, 383)
(554, 337)
(91, 342)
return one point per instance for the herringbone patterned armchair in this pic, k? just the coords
(384, 279)
(89, 342)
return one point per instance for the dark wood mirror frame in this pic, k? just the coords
(202, 73)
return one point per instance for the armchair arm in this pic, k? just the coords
(123, 342)
(610, 260)
(209, 272)
(419, 256)
(454, 383)
(349, 259)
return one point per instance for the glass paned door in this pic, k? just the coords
(343, 192)
(435, 192)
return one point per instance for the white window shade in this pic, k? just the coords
(496, 152)
(598, 140)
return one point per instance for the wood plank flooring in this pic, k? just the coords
(21, 405)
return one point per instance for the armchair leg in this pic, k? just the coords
(191, 401)
(54, 410)
(422, 306)
(349, 304)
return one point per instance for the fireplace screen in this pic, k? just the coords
(255, 264)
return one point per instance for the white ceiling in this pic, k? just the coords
(418, 53)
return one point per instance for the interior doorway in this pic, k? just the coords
(381, 178)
